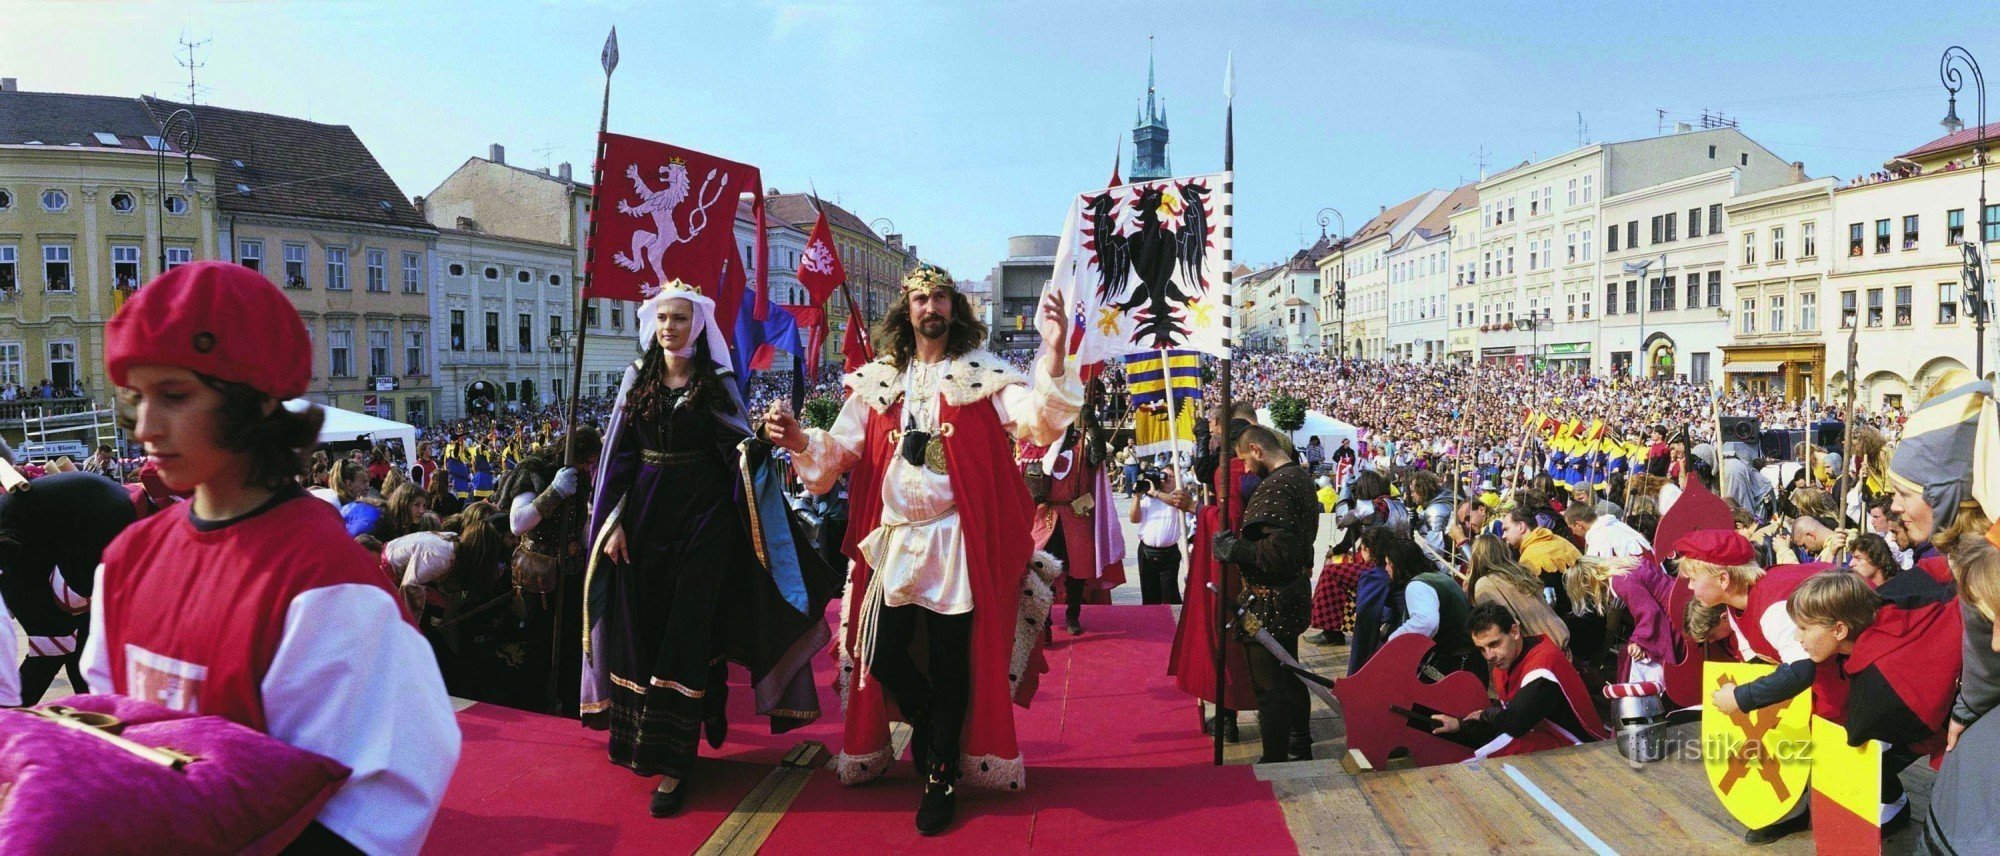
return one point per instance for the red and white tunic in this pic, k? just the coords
(279, 621)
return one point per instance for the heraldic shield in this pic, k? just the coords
(1759, 762)
(1847, 791)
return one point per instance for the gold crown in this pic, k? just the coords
(928, 278)
(676, 160)
(677, 286)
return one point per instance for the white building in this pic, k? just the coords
(1420, 275)
(1462, 322)
(1283, 312)
(1537, 260)
(1361, 261)
(503, 305)
(1259, 323)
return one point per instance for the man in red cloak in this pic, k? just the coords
(939, 537)
(1077, 522)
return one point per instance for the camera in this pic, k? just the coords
(1150, 480)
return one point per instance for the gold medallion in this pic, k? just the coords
(934, 455)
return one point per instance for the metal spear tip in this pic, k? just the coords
(610, 55)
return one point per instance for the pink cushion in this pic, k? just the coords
(66, 792)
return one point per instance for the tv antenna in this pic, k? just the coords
(1479, 157)
(194, 90)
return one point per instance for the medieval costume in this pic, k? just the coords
(939, 537)
(52, 538)
(1191, 660)
(1077, 521)
(1543, 705)
(275, 618)
(714, 572)
(1964, 812)
(1275, 555)
(546, 510)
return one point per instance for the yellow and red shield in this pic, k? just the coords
(1847, 792)
(1759, 762)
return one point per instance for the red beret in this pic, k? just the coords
(217, 319)
(1715, 546)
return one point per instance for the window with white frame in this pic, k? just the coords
(1588, 193)
(10, 363)
(1572, 193)
(55, 268)
(416, 339)
(295, 266)
(125, 266)
(1588, 234)
(1777, 243)
(1548, 199)
(1749, 248)
(1748, 317)
(378, 271)
(177, 205)
(1947, 303)
(1808, 242)
(378, 349)
(9, 267)
(1569, 247)
(340, 349)
(250, 254)
(62, 365)
(413, 282)
(1808, 311)
(336, 268)
(1777, 302)
(54, 201)
(177, 256)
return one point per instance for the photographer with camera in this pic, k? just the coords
(1159, 506)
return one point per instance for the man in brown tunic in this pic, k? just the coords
(1275, 551)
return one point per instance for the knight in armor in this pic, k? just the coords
(1434, 503)
(547, 511)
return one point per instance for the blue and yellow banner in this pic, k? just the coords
(1148, 376)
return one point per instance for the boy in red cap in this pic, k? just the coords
(249, 601)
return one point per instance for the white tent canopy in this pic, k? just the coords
(345, 425)
(1329, 430)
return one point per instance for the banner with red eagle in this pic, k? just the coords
(662, 212)
(1140, 266)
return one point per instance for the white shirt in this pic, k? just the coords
(919, 546)
(1160, 525)
(1609, 537)
(1421, 601)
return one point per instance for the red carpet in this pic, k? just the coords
(1115, 762)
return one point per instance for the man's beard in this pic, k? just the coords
(933, 327)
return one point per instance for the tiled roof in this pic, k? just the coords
(295, 167)
(798, 208)
(1435, 223)
(1966, 137)
(61, 119)
(771, 220)
(1386, 220)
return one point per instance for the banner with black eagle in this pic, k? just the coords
(1141, 268)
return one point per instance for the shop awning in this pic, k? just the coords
(1751, 368)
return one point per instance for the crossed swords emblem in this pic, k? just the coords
(1755, 724)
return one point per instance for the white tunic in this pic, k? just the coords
(919, 548)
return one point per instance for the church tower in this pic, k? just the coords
(1149, 133)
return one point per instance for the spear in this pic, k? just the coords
(1223, 480)
(610, 61)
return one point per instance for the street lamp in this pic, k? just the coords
(1536, 318)
(183, 119)
(1339, 277)
(1975, 300)
(1640, 268)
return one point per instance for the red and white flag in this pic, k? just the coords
(812, 333)
(662, 212)
(820, 270)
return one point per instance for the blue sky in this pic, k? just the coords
(965, 123)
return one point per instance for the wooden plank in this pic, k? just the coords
(1328, 814)
(1634, 810)
(743, 832)
(1457, 809)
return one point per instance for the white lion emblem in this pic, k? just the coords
(649, 249)
(818, 259)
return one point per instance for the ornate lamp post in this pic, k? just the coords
(1339, 277)
(1974, 297)
(183, 120)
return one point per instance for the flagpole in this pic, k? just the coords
(609, 60)
(1223, 480)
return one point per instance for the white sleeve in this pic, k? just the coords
(1040, 411)
(96, 663)
(1782, 633)
(10, 659)
(523, 516)
(830, 453)
(1422, 602)
(354, 682)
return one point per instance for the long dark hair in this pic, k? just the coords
(896, 337)
(649, 392)
(278, 442)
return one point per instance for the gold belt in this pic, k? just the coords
(661, 459)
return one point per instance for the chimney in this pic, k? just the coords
(543, 170)
(496, 153)
(419, 202)
(1385, 210)
(1798, 171)
(563, 171)
(8, 84)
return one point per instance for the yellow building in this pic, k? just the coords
(875, 264)
(307, 205)
(81, 218)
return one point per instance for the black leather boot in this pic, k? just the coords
(668, 803)
(940, 801)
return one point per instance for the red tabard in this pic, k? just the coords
(192, 619)
(993, 510)
(1192, 659)
(1770, 592)
(1072, 478)
(1537, 656)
